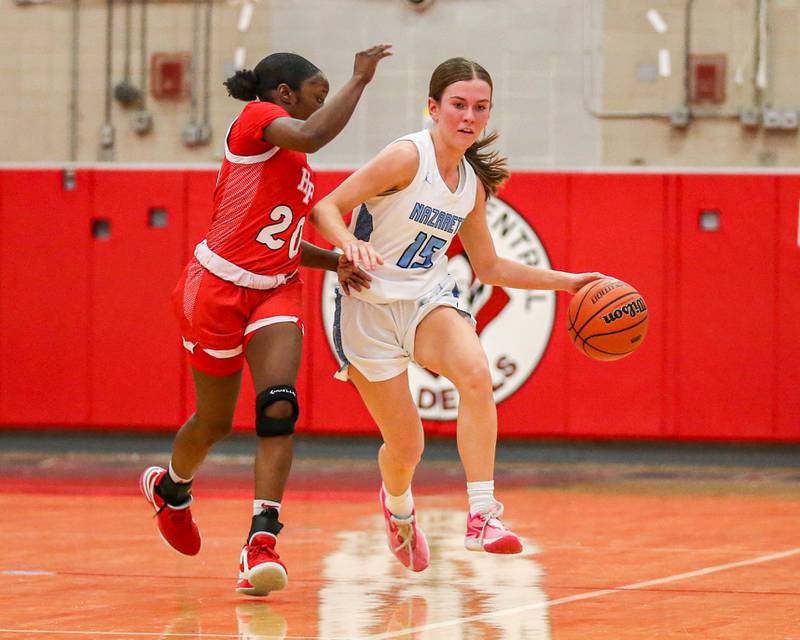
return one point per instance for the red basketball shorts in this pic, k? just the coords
(218, 318)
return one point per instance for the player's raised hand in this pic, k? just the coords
(367, 61)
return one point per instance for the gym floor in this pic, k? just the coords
(622, 541)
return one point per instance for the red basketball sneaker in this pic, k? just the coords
(175, 523)
(485, 532)
(260, 566)
(405, 538)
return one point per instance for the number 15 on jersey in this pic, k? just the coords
(423, 248)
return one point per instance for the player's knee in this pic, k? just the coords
(475, 378)
(407, 454)
(216, 429)
(277, 410)
(411, 456)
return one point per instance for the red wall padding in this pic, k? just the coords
(45, 288)
(136, 363)
(87, 337)
(725, 308)
(616, 225)
(786, 329)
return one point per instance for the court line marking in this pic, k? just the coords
(588, 595)
(457, 621)
(152, 634)
(26, 572)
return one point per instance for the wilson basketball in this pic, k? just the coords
(607, 319)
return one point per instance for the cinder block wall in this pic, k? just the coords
(532, 49)
(553, 62)
(717, 26)
(35, 58)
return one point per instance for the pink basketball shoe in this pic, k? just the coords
(405, 538)
(485, 532)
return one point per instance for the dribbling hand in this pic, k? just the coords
(367, 61)
(580, 280)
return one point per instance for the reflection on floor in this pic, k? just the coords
(611, 551)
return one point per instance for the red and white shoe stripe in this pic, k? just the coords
(147, 482)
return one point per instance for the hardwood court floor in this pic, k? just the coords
(613, 551)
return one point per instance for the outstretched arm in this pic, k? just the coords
(317, 258)
(326, 123)
(350, 276)
(492, 269)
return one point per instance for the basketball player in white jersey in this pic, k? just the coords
(410, 201)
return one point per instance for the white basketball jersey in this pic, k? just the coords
(413, 228)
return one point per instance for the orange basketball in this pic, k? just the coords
(607, 319)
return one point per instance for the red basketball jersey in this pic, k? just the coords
(262, 196)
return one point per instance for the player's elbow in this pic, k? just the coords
(313, 138)
(315, 143)
(303, 139)
(310, 142)
(318, 212)
(313, 215)
(486, 272)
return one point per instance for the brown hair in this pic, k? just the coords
(490, 167)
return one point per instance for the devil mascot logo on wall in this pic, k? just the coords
(514, 325)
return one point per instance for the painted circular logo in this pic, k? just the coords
(514, 325)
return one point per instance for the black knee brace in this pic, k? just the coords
(266, 426)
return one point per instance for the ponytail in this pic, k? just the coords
(243, 85)
(490, 167)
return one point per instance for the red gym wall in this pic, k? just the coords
(87, 337)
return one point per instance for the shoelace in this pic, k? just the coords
(495, 512)
(405, 530)
(259, 547)
(174, 512)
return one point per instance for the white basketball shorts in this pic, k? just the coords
(378, 339)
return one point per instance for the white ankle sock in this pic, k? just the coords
(400, 506)
(481, 496)
(175, 477)
(260, 505)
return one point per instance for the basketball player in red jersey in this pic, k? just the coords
(239, 298)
